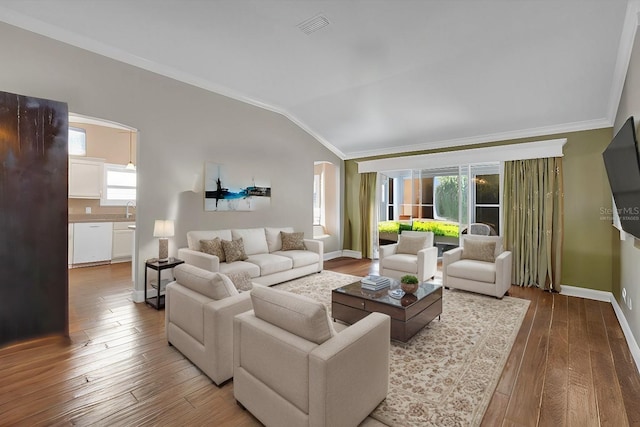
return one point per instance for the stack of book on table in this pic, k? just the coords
(374, 283)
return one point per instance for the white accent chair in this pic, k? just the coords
(199, 310)
(413, 254)
(480, 265)
(292, 369)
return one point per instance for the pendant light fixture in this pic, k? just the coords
(130, 165)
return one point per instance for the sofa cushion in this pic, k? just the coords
(479, 250)
(401, 262)
(292, 241)
(213, 247)
(213, 285)
(270, 263)
(300, 258)
(194, 237)
(296, 314)
(234, 250)
(274, 241)
(255, 240)
(411, 244)
(239, 266)
(241, 280)
(469, 269)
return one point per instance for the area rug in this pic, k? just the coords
(447, 373)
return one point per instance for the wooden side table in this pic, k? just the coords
(157, 302)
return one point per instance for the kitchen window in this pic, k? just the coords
(119, 185)
(77, 142)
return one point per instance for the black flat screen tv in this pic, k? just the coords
(622, 162)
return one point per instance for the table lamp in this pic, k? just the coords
(163, 229)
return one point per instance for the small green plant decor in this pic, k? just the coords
(409, 283)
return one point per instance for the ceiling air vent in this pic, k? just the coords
(313, 24)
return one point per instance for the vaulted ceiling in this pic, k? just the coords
(381, 76)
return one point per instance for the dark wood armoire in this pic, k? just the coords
(33, 218)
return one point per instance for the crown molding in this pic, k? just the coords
(625, 48)
(483, 139)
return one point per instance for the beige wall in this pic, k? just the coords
(627, 263)
(585, 263)
(180, 127)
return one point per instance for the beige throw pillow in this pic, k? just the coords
(234, 250)
(479, 250)
(213, 247)
(241, 280)
(410, 244)
(292, 241)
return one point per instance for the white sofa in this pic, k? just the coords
(485, 267)
(199, 310)
(267, 263)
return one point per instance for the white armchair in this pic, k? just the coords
(199, 311)
(292, 369)
(480, 265)
(413, 254)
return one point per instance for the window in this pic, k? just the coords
(318, 209)
(77, 142)
(119, 185)
(486, 195)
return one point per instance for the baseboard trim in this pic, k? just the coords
(608, 297)
(332, 255)
(574, 291)
(138, 296)
(352, 254)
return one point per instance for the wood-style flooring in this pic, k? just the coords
(570, 366)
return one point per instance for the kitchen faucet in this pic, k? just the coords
(132, 204)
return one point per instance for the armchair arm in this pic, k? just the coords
(218, 332)
(427, 263)
(503, 273)
(449, 257)
(349, 373)
(386, 250)
(316, 246)
(200, 259)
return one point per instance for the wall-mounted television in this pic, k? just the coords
(622, 162)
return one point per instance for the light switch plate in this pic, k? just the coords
(87, 210)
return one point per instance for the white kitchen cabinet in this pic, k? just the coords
(122, 241)
(92, 242)
(85, 178)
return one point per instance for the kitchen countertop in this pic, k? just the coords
(100, 218)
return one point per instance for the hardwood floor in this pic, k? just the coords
(570, 365)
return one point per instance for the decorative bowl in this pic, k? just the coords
(409, 287)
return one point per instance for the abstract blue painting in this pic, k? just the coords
(229, 189)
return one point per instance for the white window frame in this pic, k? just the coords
(110, 167)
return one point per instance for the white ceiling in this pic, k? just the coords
(385, 75)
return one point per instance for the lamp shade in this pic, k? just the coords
(163, 228)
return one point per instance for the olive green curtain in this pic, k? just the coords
(367, 206)
(533, 227)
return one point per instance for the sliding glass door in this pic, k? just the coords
(444, 201)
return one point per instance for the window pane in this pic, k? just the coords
(121, 193)
(487, 189)
(122, 179)
(489, 216)
(77, 142)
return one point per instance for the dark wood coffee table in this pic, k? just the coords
(409, 314)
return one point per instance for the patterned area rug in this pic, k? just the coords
(447, 373)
